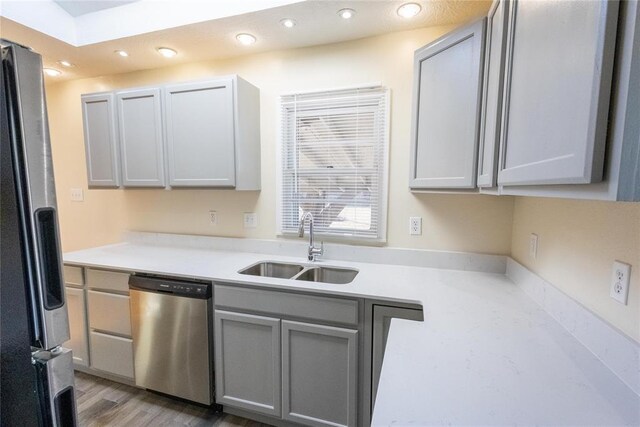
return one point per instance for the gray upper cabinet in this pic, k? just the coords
(247, 362)
(446, 110)
(141, 138)
(198, 134)
(213, 134)
(319, 374)
(101, 150)
(558, 87)
(494, 60)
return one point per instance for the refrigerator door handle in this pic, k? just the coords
(48, 252)
(54, 373)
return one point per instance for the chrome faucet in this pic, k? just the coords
(313, 251)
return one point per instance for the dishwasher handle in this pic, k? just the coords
(167, 285)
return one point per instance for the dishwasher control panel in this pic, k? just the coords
(176, 287)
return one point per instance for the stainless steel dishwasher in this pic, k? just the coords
(172, 336)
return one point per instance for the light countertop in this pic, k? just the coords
(486, 354)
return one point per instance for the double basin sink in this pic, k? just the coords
(308, 273)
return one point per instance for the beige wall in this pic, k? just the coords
(578, 241)
(450, 222)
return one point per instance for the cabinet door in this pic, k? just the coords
(78, 343)
(446, 110)
(319, 374)
(199, 119)
(558, 84)
(247, 362)
(141, 139)
(494, 57)
(100, 140)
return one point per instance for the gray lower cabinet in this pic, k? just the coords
(494, 59)
(292, 356)
(109, 318)
(247, 359)
(319, 374)
(446, 110)
(141, 137)
(557, 91)
(101, 148)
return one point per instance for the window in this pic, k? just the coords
(334, 149)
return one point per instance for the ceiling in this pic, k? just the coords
(317, 23)
(82, 7)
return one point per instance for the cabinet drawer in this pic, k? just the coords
(73, 276)
(112, 354)
(109, 313)
(108, 280)
(335, 310)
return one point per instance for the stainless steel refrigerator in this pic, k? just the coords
(36, 372)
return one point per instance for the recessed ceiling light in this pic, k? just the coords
(346, 13)
(409, 10)
(65, 63)
(167, 52)
(122, 53)
(288, 22)
(52, 72)
(246, 39)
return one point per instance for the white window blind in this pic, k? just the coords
(334, 162)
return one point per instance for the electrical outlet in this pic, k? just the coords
(250, 220)
(415, 226)
(77, 195)
(533, 245)
(620, 282)
(213, 217)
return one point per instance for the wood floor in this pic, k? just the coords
(102, 402)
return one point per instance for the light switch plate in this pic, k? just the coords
(620, 282)
(250, 220)
(77, 195)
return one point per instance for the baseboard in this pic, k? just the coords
(616, 350)
(264, 419)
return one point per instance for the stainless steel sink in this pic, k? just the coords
(279, 270)
(333, 275)
(308, 273)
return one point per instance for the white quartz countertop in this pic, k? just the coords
(485, 354)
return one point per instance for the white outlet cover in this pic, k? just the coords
(213, 217)
(77, 195)
(533, 245)
(250, 220)
(620, 276)
(415, 226)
